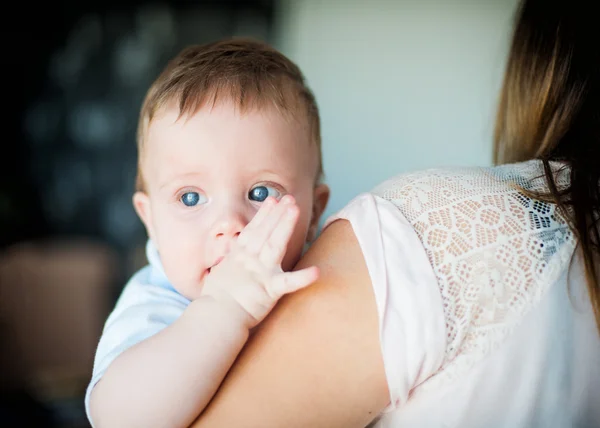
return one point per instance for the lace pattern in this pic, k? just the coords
(494, 250)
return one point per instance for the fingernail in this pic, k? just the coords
(287, 199)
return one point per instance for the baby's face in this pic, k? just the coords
(207, 175)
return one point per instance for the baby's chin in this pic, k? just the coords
(189, 292)
(189, 289)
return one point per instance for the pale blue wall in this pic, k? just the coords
(401, 85)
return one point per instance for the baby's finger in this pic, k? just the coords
(259, 233)
(274, 249)
(253, 231)
(288, 282)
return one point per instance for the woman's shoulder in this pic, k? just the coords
(487, 241)
(419, 192)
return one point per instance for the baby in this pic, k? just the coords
(229, 190)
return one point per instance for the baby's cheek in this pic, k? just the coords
(295, 247)
(182, 271)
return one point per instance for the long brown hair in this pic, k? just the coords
(550, 110)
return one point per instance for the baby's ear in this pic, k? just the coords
(320, 199)
(141, 203)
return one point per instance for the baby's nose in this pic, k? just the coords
(229, 226)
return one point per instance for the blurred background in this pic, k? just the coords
(401, 85)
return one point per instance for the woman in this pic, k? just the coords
(456, 297)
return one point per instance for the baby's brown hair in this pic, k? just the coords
(250, 73)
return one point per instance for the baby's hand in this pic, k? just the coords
(250, 277)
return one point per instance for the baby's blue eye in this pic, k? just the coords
(191, 199)
(260, 193)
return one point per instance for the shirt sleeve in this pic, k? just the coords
(142, 310)
(409, 304)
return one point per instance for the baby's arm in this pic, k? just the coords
(145, 386)
(169, 378)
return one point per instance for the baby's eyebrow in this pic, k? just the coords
(273, 172)
(177, 179)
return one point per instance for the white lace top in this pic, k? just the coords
(484, 314)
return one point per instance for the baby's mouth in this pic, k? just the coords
(219, 260)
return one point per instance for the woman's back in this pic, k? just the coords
(522, 348)
(485, 296)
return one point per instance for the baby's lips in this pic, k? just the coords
(219, 260)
